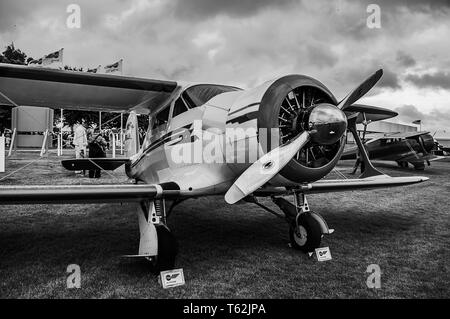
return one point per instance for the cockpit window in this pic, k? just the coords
(198, 95)
(161, 118)
(179, 107)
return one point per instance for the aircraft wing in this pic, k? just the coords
(67, 194)
(34, 86)
(107, 164)
(419, 158)
(402, 135)
(371, 113)
(340, 185)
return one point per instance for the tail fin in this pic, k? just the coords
(132, 135)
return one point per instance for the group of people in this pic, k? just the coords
(90, 144)
(7, 134)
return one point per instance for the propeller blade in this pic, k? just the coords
(264, 169)
(361, 90)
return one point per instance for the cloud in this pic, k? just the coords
(438, 80)
(201, 9)
(389, 80)
(321, 55)
(243, 42)
(433, 120)
(405, 59)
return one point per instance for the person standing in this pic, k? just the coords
(80, 141)
(97, 149)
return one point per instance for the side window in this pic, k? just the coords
(179, 107)
(161, 118)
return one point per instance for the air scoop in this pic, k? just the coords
(327, 124)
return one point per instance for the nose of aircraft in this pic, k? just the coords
(327, 124)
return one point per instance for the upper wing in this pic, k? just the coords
(371, 113)
(66, 194)
(325, 186)
(32, 86)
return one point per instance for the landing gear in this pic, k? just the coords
(306, 228)
(157, 243)
(305, 234)
(167, 249)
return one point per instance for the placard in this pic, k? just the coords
(323, 253)
(172, 278)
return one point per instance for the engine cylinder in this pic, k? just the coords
(288, 105)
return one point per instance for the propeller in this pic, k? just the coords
(327, 124)
(265, 168)
(361, 90)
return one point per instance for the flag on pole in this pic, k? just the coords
(35, 62)
(417, 122)
(115, 67)
(94, 70)
(53, 57)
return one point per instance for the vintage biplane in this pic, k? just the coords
(404, 148)
(294, 123)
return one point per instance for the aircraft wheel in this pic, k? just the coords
(167, 250)
(307, 235)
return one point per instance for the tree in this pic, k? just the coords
(13, 56)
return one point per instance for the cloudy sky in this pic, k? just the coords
(245, 42)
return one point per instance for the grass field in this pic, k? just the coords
(229, 251)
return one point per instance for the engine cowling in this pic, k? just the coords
(297, 103)
(427, 142)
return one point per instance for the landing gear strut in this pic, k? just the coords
(157, 243)
(306, 228)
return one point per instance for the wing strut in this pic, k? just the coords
(369, 170)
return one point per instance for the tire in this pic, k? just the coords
(167, 250)
(310, 230)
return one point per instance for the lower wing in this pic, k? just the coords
(419, 158)
(340, 185)
(68, 194)
(108, 164)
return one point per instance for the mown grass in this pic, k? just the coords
(229, 251)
